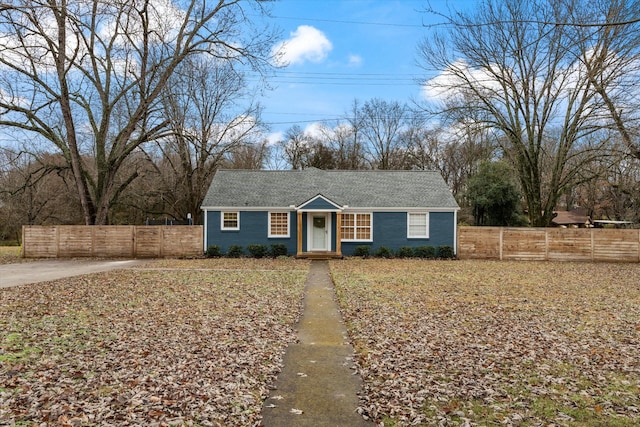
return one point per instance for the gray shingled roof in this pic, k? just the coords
(366, 189)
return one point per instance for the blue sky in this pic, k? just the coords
(341, 50)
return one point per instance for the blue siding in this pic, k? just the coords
(253, 230)
(390, 230)
(442, 227)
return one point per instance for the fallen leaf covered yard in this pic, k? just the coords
(329, 213)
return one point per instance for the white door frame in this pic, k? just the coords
(327, 225)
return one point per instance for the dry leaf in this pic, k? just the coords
(198, 345)
(435, 341)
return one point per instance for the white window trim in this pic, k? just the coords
(222, 227)
(370, 239)
(426, 235)
(279, 236)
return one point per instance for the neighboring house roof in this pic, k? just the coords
(355, 188)
(577, 216)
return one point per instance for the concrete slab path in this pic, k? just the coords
(318, 386)
(41, 271)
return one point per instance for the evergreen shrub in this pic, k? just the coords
(362, 251)
(257, 251)
(235, 251)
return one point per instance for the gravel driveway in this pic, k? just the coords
(40, 271)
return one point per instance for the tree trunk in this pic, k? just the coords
(88, 210)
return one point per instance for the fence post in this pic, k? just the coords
(93, 240)
(500, 242)
(57, 232)
(134, 243)
(161, 249)
(22, 249)
(546, 244)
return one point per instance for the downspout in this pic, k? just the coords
(205, 230)
(455, 232)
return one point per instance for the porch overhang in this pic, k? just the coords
(319, 204)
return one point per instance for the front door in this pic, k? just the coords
(319, 232)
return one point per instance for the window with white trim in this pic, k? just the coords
(417, 225)
(230, 221)
(278, 224)
(356, 227)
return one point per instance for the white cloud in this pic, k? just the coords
(447, 84)
(274, 138)
(165, 20)
(314, 130)
(355, 60)
(305, 44)
(115, 26)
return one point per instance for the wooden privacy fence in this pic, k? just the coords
(553, 244)
(125, 241)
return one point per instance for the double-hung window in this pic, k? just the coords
(356, 227)
(230, 221)
(418, 225)
(278, 224)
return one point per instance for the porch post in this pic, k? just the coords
(339, 233)
(299, 252)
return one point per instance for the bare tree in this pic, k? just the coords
(382, 124)
(347, 139)
(320, 155)
(86, 77)
(343, 140)
(34, 191)
(210, 115)
(519, 68)
(295, 147)
(610, 54)
(609, 187)
(251, 156)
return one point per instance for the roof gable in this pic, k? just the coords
(355, 188)
(319, 202)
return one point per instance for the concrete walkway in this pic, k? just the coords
(317, 386)
(41, 271)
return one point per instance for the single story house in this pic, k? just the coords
(329, 212)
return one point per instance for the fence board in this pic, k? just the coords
(616, 245)
(179, 241)
(523, 244)
(47, 238)
(148, 242)
(557, 244)
(111, 241)
(479, 242)
(566, 244)
(75, 241)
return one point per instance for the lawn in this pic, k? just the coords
(9, 254)
(199, 342)
(157, 346)
(495, 343)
